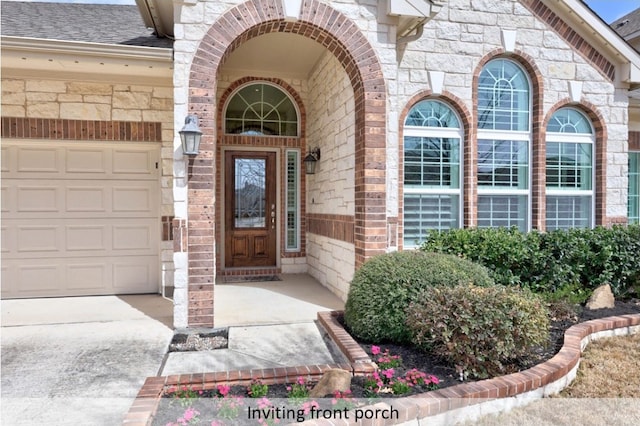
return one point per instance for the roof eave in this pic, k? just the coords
(592, 27)
(113, 51)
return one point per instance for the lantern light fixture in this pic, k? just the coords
(311, 160)
(190, 136)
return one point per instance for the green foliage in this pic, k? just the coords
(383, 288)
(558, 263)
(257, 389)
(478, 329)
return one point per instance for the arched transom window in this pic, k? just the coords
(504, 140)
(569, 170)
(432, 172)
(261, 109)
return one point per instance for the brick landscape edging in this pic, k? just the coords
(461, 401)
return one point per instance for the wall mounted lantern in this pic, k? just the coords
(310, 161)
(190, 136)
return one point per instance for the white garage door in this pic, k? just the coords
(79, 219)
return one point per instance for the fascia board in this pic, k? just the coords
(608, 38)
(107, 51)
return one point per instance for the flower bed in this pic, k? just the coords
(461, 401)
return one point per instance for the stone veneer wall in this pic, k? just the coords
(465, 34)
(331, 190)
(108, 104)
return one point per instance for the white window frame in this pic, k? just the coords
(575, 138)
(436, 132)
(266, 83)
(296, 162)
(511, 135)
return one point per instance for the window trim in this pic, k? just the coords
(573, 138)
(266, 83)
(296, 162)
(434, 132)
(508, 135)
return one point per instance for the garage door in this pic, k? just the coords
(79, 219)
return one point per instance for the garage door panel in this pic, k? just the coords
(87, 238)
(79, 219)
(86, 160)
(5, 194)
(41, 199)
(6, 240)
(39, 159)
(88, 277)
(38, 239)
(133, 162)
(127, 238)
(133, 276)
(5, 162)
(77, 199)
(132, 199)
(86, 199)
(36, 278)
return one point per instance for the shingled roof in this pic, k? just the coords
(628, 24)
(96, 23)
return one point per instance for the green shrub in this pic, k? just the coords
(383, 288)
(571, 262)
(478, 328)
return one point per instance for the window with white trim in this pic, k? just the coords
(293, 201)
(569, 171)
(261, 109)
(432, 170)
(634, 187)
(504, 141)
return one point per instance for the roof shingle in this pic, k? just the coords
(96, 23)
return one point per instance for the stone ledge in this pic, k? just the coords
(455, 403)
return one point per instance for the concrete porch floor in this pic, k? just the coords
(296, 299)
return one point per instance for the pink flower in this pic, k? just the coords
(300, 380)
(388, 373)
(375, 350)
(435, 380)
(223, 390)
(189, 414)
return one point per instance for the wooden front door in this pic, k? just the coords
(250, 209)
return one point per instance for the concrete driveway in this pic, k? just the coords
(79, 361)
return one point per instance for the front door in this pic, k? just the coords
(250, 209)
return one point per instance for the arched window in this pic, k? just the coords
(432, 170)
(504, 139)
(569, 170)
(261, 109)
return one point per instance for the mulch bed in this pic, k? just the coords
(562, 319)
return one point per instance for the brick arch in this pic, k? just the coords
(538, 153)
(468, 126)
(339, 35)
(600, 129)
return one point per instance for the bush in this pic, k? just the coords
(383, 288)
(478, 328)
(555, 263)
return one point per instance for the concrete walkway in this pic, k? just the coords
(82, 360)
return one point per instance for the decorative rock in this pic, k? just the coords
(331, 381)
(602, 297)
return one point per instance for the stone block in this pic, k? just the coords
(49, 86)
(85, 111)
(42, 110)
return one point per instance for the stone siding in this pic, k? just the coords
(108, 104)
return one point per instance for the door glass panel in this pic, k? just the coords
(250, 196)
